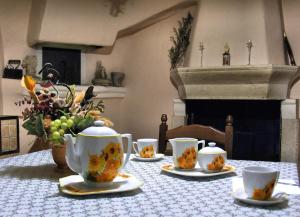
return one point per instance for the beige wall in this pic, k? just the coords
(144, 58)
(14, 15)
(236, 22)
(91, 22)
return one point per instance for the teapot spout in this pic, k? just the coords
(72, 158)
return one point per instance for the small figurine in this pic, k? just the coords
(249, 45)
(226, 55)
(29, 65)
(101, 76)
(201, 48)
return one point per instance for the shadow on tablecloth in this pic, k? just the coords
(200, 179)
(44, 171)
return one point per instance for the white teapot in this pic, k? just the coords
(212, 158)
(98, 154)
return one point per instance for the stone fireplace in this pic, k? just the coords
(265, 83)
(258, 96)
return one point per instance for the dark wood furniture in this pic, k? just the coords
(197, 131)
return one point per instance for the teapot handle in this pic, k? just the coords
(129, 147)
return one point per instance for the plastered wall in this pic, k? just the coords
(143, 57)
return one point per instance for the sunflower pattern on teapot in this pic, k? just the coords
(188, 159)
(105, 167)
(147, 152)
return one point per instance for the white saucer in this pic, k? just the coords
(240, 195)
(155, 158)
(197, 172)
(74, 185)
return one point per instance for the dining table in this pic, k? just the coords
(29, 187)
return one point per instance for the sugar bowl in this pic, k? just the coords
(212, 158)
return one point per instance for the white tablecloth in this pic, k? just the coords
(29, 187)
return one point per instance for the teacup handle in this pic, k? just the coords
(129, 147)
(201, 142)
(135, 148)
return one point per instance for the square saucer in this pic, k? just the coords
(157, 157)
(75, 185)
(277, 198)
(197, 172)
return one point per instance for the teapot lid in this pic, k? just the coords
(212, 149)
(98, 130)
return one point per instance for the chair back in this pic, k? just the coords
(197, 131)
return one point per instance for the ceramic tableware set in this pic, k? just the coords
(258, 187)
(187, 161)
(146, 150)
(97, 156)
(258, 182)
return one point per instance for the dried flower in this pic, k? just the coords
(50, 116)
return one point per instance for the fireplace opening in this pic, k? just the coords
(66, 61)
(257, 125)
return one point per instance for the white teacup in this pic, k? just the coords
(259, 182)
(145, 148)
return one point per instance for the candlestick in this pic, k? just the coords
(201, 48)
(249, 45)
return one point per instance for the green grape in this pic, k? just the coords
(52, 124)
(70, 123)
(64, 126)
(72, 118)
(63, 118)
(57, 123)
(61, 132)
(55, 135)
(53, 129)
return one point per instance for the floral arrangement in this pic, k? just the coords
(49, 116)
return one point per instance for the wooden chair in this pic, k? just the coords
(196, 131)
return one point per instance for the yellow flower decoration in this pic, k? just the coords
(79, 97)
(96, 114)
(94, 162)
(29, 84)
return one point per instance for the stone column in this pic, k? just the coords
(289, 131)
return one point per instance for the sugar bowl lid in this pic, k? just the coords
(98, 130)
(211, 149)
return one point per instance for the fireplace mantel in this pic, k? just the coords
(235, 82)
